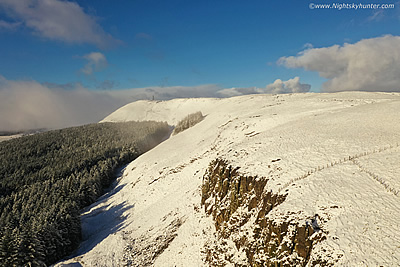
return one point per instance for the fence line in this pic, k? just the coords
(342, 161)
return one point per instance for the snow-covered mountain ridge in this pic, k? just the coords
(335, 155)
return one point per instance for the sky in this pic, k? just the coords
(66, 63)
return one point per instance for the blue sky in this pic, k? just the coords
(124, 44)
(168, 43)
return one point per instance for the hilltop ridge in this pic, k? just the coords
(331, 155)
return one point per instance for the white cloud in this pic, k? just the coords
(96, 62)
(30, 104)
(377, 15)
(308, 46)
(286, 87)
(277, 87)
(368, 65)
(9, 25)
(58, 20)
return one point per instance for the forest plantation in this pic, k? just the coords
(47, 178)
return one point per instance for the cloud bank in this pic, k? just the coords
(368, 65)
(277, 87)
(56, 20)
(31, 105)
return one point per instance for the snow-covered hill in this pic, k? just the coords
(335, 155)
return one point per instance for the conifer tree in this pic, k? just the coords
(45, 179)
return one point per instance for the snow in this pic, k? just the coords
(336, 155)
(9, 137)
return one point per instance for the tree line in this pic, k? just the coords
(47, 178)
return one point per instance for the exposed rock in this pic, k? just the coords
(240, 206)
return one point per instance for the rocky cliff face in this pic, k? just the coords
(240, 207)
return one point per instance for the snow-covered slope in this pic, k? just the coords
(8, 137)
(335, 155)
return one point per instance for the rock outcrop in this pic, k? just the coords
(240, 207)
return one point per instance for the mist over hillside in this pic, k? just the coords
(296, 179)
